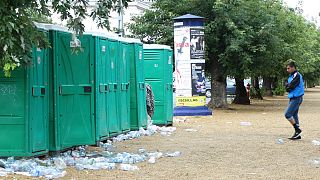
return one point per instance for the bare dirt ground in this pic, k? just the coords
(223, 149)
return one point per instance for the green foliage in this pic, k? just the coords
(18, 33)
(254, 93)
(156, 25)
(280, 89)
(247, 38)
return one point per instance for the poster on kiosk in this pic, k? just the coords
(189, 73)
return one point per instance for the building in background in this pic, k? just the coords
(117, 21)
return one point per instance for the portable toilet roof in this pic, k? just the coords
(130, 40)
(156, 46)
(102, 34)
(40, 25)
(57, 28)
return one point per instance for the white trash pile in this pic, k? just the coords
(316, 142)
(152, 129)
(108, 159)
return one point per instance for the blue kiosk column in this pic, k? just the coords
(190, 66)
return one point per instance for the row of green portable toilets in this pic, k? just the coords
(82, 91)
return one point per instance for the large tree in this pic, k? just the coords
(18, 33)
(244, 38)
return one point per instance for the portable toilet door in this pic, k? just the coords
(72, 72)
(123, 69)
(102, 73)
(113, 87)
(138, 106)
(169, 86)
(24, 114)
(157, 74)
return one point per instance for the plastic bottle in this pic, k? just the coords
(10, 160)
(316, 142)
(279, 141)
(82, 151)
(152, 160)
(59, 163)
(55, 175)
(128, 167)
(2, 163)
(174, 154)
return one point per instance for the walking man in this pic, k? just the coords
(295, 88)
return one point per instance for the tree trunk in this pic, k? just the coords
(255, 82)
(241, 93)
(218, 85)
(267, 86)
(218, 94)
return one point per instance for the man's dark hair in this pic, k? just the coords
(291, 64)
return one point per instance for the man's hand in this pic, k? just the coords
(287, 87)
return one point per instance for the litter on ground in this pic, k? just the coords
(108, 159)
(191, 130)
(316, 142)
(243, 123)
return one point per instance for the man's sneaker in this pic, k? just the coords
(297, 133)
(295, 138)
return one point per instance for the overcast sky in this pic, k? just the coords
(311, 8)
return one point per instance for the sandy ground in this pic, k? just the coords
(223, 149)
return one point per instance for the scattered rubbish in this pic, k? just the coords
(165, 133)
(157, 155)
(108, 146)
(33, 168)
(82, 151)
(80, 159)
(245, 123)
(315, 162)
(251, 173)
(96, 166)
(174, 154)
(52, 168)
(152, 160)
(128, 167)
(142, 151)
(151, 129)
(191, 130)
(2, 164)
(179, 120)
(3, 172)
(59, 163)
(279, 141)
(167, 129)
(106, 153)
(22, 173)
(127, 158)
(316, 142)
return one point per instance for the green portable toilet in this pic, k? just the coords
(114, 123)
(24, 111)
(71, 89)
(138, 106)
(123, 69)
(112, 85)
(106, 86)
(158, 73)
